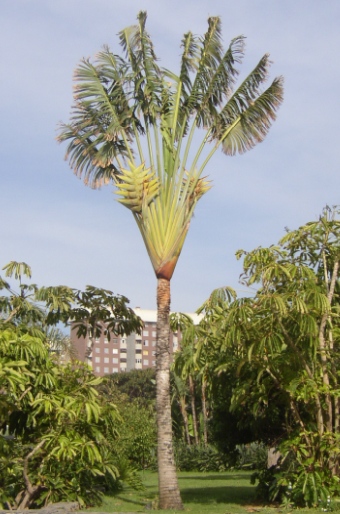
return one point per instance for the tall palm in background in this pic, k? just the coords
(133, 125)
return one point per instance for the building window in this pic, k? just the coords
(97, 350)
(123, 350)
(114, 370)
(145, 362)
(106, 360)
(154, 333)
(115, 350)
(106, 370)
(145, 352)
(97, 359)
(145, 342)
(97, 369)
(154, 363)
(145, 332)
(97, 340)
(153, 353)
(115, 340)
(106, 340)
(138, 351)
(138, 361)
(153, 343)
(115, 360)
(106, 350)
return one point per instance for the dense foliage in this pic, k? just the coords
(137, 384)
(257, 372)
(58, 435)
(277, 353)
(134, 393)
(58, 432)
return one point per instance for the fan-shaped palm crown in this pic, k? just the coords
(118, 100)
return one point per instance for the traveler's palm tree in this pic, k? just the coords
(133, 124)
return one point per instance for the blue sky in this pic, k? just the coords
(72, 235)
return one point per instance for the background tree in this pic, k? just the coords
(119, 99)
(283, 344)
(58, 436)
(185, 368)
(39, 309)
(139, 384)
(98, 311)
(60, 345)
(179, 397)
(58, 428)
(134, 394)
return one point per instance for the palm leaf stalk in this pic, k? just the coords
(119, 102)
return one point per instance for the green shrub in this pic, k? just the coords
(302, 477)
(59, 437)
(198, 458)
(251, 456)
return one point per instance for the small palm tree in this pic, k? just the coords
(133, 125)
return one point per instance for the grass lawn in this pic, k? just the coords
(202, 493)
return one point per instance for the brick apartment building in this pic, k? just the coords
(123, 353)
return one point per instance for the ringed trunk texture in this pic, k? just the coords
(169, 494)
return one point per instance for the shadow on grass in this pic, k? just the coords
(239, 495)
(127, 500)
(221, 477)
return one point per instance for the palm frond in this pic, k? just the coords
(178, 90)
(209, 60)
(147, 76)
(221, 82)
(253, 124)
(117, 99)
(108, 100)
(102, 123)
(247, 116)
(248, 91)
(189, 60)
(82, 154)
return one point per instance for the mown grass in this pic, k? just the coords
(202, 493)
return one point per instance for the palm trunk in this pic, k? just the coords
(90, 341)
(324, 345)
(204, 411)
(169, 494)
(183, 405)
(193, 408)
